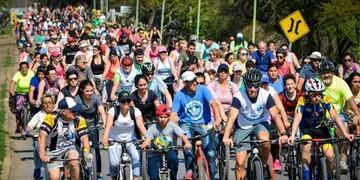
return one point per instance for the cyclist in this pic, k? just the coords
(162, 134)
(354, 84)
(289, 97)
(214, 60)
(34, 88)
(155, 83)
(123, 124)
(72, 87)
(191, 108)
(111, 67)
(84, 71)
(339, 92)
(124, 77)
(252, 109)
(59, 133)
(51, 84)
(310, 117)
(20, 84)
(236, 77)
(47, 103)
(145, 99)
(69, 51)
(97, 66)
(92, 111)
(309, 70)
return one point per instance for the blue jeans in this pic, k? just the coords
(190, 130)
(154, 161)
(37, 161)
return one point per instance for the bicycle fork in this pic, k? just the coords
(164, 173)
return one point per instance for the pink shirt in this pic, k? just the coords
(285, 68)
(224, 94)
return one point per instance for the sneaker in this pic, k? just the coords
(188, 175)
(99, 177)
(277, 165)
(37, 173)
(344, 168)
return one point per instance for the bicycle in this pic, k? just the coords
(24, 110)
(164, 171)
(223, 154)
(332, 129)
(255, 168)
(354, 153)
(64, 172)
(125, 167)
(201, 171)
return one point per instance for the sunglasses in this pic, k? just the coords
(201, 83)
(255, 85)
(279, 57)
(73, 79)
(125, 101)
(244, 54)
(347, 60)
(149, 74)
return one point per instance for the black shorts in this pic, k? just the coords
(321, 132)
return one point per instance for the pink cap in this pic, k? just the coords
(55, 53)
(162, 49)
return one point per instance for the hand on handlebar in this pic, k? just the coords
(227, 142)
(45, 158)
(187, 146)
(348, 136)
(291, 140)
(283, 139)
(113, 97)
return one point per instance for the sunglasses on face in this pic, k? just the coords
(255, 85)
(279, 57)
(149, 74)
(202, 83)
(347, 60)
(72, 79)
(125, 101)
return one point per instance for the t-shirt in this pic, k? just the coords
(89, 112)
(61, 133)
(252, 113)
(123, 128)
(69, 52)
(206, 54)
(157, 86)
(126, 80)
(307, 72)
(159, 135)
(147, 107)
(339, 93)
(66, 92)
(126, 46)
(289, 104)
(37, 120)
(313, 115)
(23, 82)
(224, 95)
(262, 61)
(192, 108)
(284, 68)
(278, 85)
(34, 82)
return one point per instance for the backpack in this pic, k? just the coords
(132, 117)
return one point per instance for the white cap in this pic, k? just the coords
(239, 35)
(188, 76)
(315, 55)
(83, 44)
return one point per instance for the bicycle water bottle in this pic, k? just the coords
(332, 131)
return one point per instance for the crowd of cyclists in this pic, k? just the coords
(81, 74)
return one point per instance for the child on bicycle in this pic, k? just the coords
(162, 134)
(310, 117)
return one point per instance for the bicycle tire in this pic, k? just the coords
(257, 169)
(93, 166)
(337, 162)
(291, 165)
(144, 165)
(127, 173)
(323, 169)
(201, 167)
(224, 152)
(24, 114)
(357, 163)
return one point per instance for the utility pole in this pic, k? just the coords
(94, 2)
(137, 15)
(162, 22)
(198, 19)
(254, 23)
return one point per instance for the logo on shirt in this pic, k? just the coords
(194, 109)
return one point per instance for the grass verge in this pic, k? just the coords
(3, 133)
(8, 59)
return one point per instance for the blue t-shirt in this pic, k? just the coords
(262, 61)
(307, 72)
(206, 54)
(194, 108)
(278, 85)
(35, 83)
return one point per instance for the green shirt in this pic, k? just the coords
(23, 82)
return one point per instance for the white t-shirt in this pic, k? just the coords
(124, 127)
(37, 120)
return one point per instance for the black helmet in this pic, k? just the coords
(281, 50)
(147, 67)
(326, 66)
(252, 76)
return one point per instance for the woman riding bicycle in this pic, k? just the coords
(311, 119)
(51, 84)
(97, 65)
(145, 99)
(109, 73)
(34, 89)
(92, 108)
(123, 128)
(19, 89)
(72, 87)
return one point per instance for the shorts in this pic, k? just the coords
(61, 153)
(322, 132)
(246, 134)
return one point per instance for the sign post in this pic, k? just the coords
(294, 26)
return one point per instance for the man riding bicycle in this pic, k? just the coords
(310, 116)
(58, 136)
(191, 107)
(252, 110)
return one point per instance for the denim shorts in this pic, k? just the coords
(246, 134)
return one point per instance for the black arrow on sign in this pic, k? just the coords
(292, 25)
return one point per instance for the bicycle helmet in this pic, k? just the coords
(252, 76)
(281, 50)
(147, 67)
(314, 85)
(326, 66)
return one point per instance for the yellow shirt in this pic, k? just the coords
(339, 93)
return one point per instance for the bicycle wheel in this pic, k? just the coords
(257, 169)
(337, 162)
(24, 114)
(357, 164)
(323, 169)
(224, 152)
(291, 164)
(144, 165)
(94, 167)
(201, 167)
(126, 173)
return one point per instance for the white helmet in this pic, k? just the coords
(314, 85)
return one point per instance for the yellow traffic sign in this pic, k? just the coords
(294, 26)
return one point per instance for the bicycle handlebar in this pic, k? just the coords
(198, 137)
(238, 143)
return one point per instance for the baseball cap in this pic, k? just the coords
(265, 79)
(315, 55)
(126, 61)
(239, 35)
(237, 67)
(162, 49)
(188, 76)
(55, 54)
(69, 103)
(163, 109)
(223, 68)
(124, 95)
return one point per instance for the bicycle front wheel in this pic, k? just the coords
(144, 166)
(224, 163)
(257, 170)
(126, 173)
(337, 162)
(24, 116)
(93, 164)
(201, 167)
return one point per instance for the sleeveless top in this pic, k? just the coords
(97, 69)
(52, 88)
(60, 72)
(113, 68)
(163, 69)
(153, 54)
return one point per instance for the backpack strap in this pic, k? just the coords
(117, 112)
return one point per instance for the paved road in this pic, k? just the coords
(23, 163)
